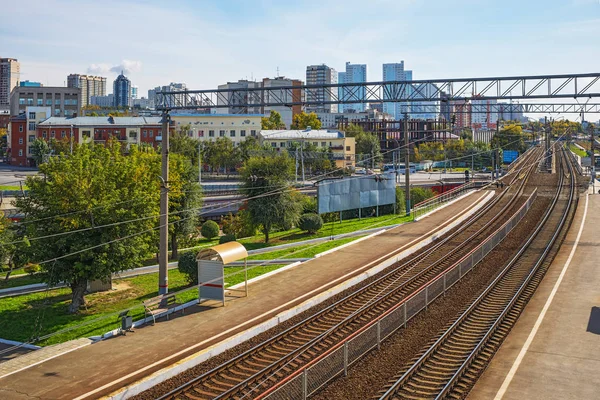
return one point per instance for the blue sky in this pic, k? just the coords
(206, 43)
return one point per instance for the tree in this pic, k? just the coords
(266, 183)
(188, 266)
(433, 151)
(353, 130)
(274, 121)
(510, 138)
(96, 186)
(14, 247)
(311, 223)
(249, 147)
(210, 229)
(181, 143)
(304, 120)
(367, 144)
(185, 200)
(40, 151)
(221, 154)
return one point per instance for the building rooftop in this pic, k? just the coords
(102, 121)
(183, 114)
(315, 134)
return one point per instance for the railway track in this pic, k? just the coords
(270, 361)
(449, 367)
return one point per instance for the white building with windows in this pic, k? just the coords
(355, 73)
(236, 127)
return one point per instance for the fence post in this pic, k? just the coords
(426, 297)
(405, 316)
(378, 334)
(346, 357)
(304, 385)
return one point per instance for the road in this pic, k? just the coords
(10, 175)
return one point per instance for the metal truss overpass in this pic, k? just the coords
(450, 90)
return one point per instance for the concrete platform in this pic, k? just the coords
(101, 368)
(553, 352)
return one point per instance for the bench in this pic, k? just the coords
(160, 304)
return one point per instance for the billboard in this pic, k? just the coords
(356, 192)
(509, 156)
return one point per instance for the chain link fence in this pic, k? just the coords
(336, 361)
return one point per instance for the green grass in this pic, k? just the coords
(304, 251)
(12, 187)
(578, 151)
(20, 280)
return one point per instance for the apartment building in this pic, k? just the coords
(10, 71)
(321, 75)
(90, 86)
(22, 132)
(236, 127)
(342, 148)
(64, 101)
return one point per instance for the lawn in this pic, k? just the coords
(19, 280)
(303, 251)
(12, 187)
(578, 151)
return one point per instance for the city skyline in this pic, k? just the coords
(487, 34)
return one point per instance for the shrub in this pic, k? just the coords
(400, 201)
(227, 238)
(210, 229)
(418, 194)
(188, 266)
(32, 268)
(311, 222)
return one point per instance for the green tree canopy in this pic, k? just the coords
(273, 121)
(304, 120)
(367, 145)
(40, 150)
(270, 202)
(353, 130)
(96, 186)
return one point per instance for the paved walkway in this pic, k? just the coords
(103, 367)
(553, 352)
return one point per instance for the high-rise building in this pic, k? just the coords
(485, 113)
(30, 84)
(180, 100)
(320, 75)
(235, 98)
(10, 71)
(284, 96)
(393, 72)
(134, 94)
(426, 109)
(355, 73)
(122, 91)
(90, 86)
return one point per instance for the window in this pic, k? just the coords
(63, 134)
(57, 102)
(29, 150)
(200, 133)
(221, 133)
(211, 133)
(132, 134)
(20, 140)
(31, 138)
(21, 153)
(40, 102)
(22, 101)
(273, 144)
(44, 135)
(48, 102)
(57, 111)
(252, 132)
(29, 102)
(323, 144)
(151, 133)
(145, 133)
(347, 148)
(52, 135)
(31, 115)
(232, 133)
(315, 144)
(20, 128)
(32, 126)
(85, 134)
(282, 144)
(242, 133)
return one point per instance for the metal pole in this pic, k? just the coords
(163, 256)
(407, 165)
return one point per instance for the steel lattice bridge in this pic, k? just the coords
(573, 86)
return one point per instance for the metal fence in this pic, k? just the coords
(335, 362)
(430, 204)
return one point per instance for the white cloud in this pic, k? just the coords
(126, 66)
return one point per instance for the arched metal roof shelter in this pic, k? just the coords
(226, 253)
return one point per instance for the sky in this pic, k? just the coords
(206, 43)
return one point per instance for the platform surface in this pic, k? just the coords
(103, 367)
(561, 358)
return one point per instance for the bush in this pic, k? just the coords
(32, 268)
(311, 222)
(400, 201)
(418, 194)
(188, 266)
(227, 238)
(210, 229)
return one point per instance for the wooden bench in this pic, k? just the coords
(160, 304)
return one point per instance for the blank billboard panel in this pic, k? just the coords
(355, 192)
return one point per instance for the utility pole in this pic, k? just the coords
(407, 165)
(592, 158)
(199, 163)
(163, 256)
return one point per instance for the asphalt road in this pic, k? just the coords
(10, 175)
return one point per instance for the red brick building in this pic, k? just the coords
(128, 130)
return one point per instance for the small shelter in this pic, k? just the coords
(211, 270)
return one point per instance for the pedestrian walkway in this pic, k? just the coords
(101, 368)
(553, 352)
